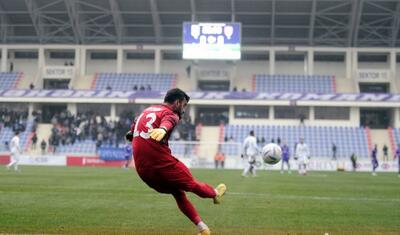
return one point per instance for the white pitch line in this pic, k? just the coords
(319, 198)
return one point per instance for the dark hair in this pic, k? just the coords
(175, 94)
(252, 132)
(17, 133)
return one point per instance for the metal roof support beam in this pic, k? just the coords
(49, 5)
(354, 23)
(272, 28)
(333, 7)
(389, 11)
(396, 25)
(193, 10)
(332, 20)
(4, 25)
(72, 10)
(312, 23)
(358, 23)
(156, 20)
(34, 13)
(118, 21)
(233, 10)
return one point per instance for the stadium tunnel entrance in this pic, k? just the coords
(376, 118)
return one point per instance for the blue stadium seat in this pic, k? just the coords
(319, 139)
(9, 80)
(6, 134)
(126, 81)
(294, 83)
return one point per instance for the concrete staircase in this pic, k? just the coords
(43, 132)
(83, 82)
(25, 81)
(344, 85)
(381, 137)
(210, 137)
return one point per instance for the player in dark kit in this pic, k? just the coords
(397, 155)
(374, 159)
(285, 157)
(155, 164)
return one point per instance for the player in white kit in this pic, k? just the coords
(15, 152)
(302, 155)
(250, 152)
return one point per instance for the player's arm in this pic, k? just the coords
(129, 134)
(245, 146)
(19, 147)
(168, 122)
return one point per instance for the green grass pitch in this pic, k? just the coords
(73, 200)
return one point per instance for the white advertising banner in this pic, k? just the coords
(363, 165)
(43, 160)
(373, 75)
(58, 72)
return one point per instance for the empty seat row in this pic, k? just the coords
(9, 80)
(294, 83)
(134, 81)
(320, 139)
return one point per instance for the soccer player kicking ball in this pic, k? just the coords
(155, 164)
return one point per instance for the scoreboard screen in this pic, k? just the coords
(220, 41)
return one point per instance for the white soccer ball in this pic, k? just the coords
(271, 153)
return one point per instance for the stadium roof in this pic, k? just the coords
(342, 23)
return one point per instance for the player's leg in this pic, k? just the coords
(253, 169)
(12, 162)
(16, 163)
(373, 168)
(288, 166)
(399, 169)
(188, 209)
(300, 165)
(282, 170)
(202, 190)
(246, 169)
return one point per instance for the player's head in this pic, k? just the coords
(302, 140)
(251, 133)
(17, 133)
(177, 99)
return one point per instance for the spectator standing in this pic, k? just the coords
(43, 146)
(34, 141)
(385, 150)
(334, 150)
(353, 159)
(219, 160)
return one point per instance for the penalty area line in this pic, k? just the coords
(317, 198)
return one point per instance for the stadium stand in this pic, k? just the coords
(7, 133)
(294, 83)
(319, 138)
(395, 138)
(9, 80)
(134, 81)
(86, 132)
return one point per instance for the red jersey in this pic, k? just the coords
(148, 153)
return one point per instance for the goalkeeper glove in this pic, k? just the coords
(129, 136)
(158, 134)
